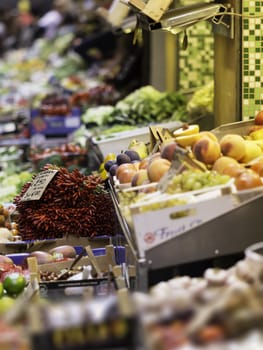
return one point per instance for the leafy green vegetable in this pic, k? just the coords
(11, 180)
(117, 128)
(97, 115)
(202, 101)
(11, 184)
(168, 106)
(147, 105)
(142, 107)
(54, 159)
(69, 65)
(134, 99)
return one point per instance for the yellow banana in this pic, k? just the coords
(186, 130)
(187, 140)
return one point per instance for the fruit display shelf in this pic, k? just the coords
(226, 235)
(223, 235)
(221, 230)
(117, 142)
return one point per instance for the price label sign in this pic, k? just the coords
(39, 184)
(72, 122)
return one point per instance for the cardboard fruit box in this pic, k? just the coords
(153, 227)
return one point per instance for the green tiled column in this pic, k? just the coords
(196, 63)
(252, 58)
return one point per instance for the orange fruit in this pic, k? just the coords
(14, 283)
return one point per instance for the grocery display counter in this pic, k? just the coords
(225, 235)
(228, 234)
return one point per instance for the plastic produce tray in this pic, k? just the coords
(120, 141)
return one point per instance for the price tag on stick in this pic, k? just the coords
(38, 185)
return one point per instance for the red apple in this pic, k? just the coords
(125, 172)
(123, 167)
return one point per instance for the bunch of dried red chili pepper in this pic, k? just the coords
(72, 204)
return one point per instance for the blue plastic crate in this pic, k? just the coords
(54, 125)
(18, 258)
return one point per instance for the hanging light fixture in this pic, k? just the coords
(174, 20)
(178, 19)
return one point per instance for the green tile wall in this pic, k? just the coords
(196, 63)
(252, 58)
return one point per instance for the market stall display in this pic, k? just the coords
(196, 179)
(174, 187)
(68, 155)
(219, 310)
(70, 203)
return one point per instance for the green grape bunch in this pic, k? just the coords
(191, 180)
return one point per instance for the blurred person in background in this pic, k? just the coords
(98, 45)
(19, 24)
(102, 42)
(61, 13)
(113, 49)
(40, 7)
(26, 24)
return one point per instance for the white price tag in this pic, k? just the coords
(39, 184)
(72, 122)
(8, 127)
